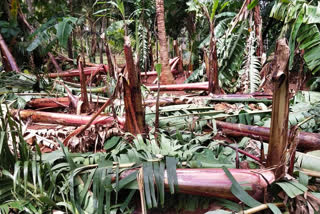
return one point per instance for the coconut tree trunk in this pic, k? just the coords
(166, 75)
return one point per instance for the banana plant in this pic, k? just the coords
(51, 31)
(302, 18)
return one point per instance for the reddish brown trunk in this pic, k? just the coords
(213, 77)
(63, 119)
(166, 76)
(214, 87)
(64, 101)
(92, 70)
(135, 122)
(49, 102)
(7, 58)
(306, 141)
(280, 110)
(215, 183)
(75, 72)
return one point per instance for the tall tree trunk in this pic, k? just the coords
(135, 122)
(213, 65)
(278, 142)
(166, 75)
(214, 87)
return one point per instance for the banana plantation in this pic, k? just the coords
(159, 106)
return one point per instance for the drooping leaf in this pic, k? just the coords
(149, 189)
(64, 29)
(127, 201)
(239, 192)
(110, 143)
(158, 170)
(292, 189)
(295, 30)
(274, 208)
(171, 163)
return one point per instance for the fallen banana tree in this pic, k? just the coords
(227, 97)
(175, 87)
(63, 119)
(49, 102)
(64, 101)
(76, 72)
(96, 68)
(92, 70)
(215, 182)
(306, 141)
(203, 86)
